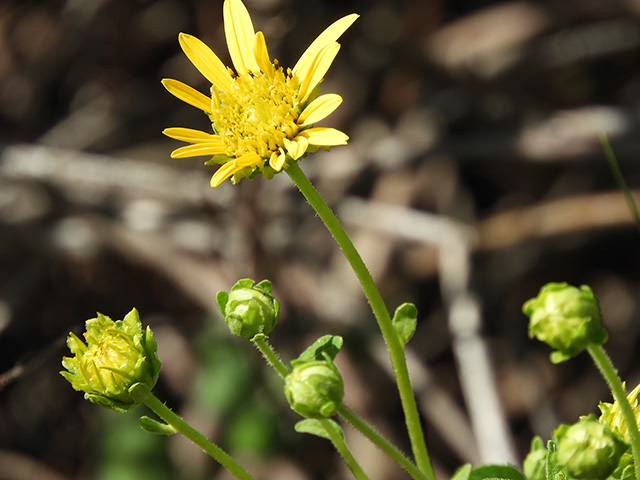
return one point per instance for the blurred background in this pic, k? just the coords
(473, 176)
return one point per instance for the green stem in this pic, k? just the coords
(270, 356)
(550, 469)
(604, 364)
(347, 414)
(396, 352)
(619, 178)
(183, 428)
(379, 441)
(343, 450)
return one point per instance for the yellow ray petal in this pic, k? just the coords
(297, 147)
(277, 160)
(251, 159)
(199, 149)
(320, 108)
(239, 32)
(330, 35)
(324, 137)
(318, 66)
(191, 136)
(224, 172)
(188, 94)
(262, 54)
(207, 62)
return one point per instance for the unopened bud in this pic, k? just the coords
(117, 356)
(314, 389)
(588, 449)
(566, 318)
(249, 309)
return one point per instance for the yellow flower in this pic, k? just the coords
(262, 115)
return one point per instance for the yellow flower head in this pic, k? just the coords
(262, 115)
(612, 416)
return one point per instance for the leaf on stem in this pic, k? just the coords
(314, 426)
(327, 344)
(150, 425)
(404, 322)
(506, 472)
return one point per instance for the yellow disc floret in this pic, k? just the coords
(257, 114)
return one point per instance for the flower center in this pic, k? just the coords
(108, 363)
(257, 113)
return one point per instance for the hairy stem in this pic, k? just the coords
(396, 352)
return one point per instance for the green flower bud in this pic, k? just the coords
(249, 310)
(587, 450)
(315, 388)
(566, 318)
(612, 416)
(117, 356)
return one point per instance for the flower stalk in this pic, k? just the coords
(379, 441)
(346, 414)
(343, 450)
(608, 371)
(186, 430)
(396, 352)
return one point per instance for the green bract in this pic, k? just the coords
(587, 450)
(117, 356)
(535, 463)
(315, 388)
(566, 318)
(249, 310)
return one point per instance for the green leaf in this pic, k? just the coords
(506, 472)
(462, 473)
(222, 298)
(314, 426)
(154, 426)
(327, 344)
(404, 322)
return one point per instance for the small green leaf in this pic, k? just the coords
(327, 344)
(404, 322)
(314, 426)
(154, 426)
(462, 473)
(502, 472)
(222, 298)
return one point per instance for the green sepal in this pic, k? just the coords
(154, 426)
(218, 159)
(139, 392)
(244, 173)
(534, 465)
(404, 322)
(462, 473)
(502, 472)
(327, 344)
(268, 172)
(315, 427)
(222, 298)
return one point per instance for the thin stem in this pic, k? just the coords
(347, 414)
(343, 450)
(396, 353)
(270, 356)
(550, 469)
(619, 178)
(604, 364)
(379, 441)
(183, 428)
